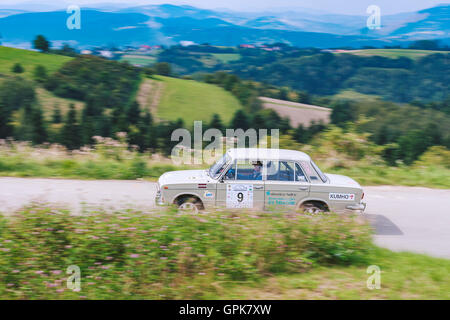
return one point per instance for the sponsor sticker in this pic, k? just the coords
(208, 194)
(342, 196)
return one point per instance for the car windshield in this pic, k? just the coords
(319, 172)
(217, 168)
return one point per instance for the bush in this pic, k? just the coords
(152, 255)
(17, 68)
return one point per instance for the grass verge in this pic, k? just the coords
(218, 255)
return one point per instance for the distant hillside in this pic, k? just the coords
(97, 28)
(169, 24)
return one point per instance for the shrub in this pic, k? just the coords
(17, 68)
(153, 254)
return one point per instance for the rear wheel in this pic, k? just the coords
(313, 208)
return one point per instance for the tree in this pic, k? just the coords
(240, 121)
(258, 121)
(343, 111)
(39, 131)
(41, 43)
(216, 122)
(300, 134)
(40, 73)
(56, 116)
(71, 133)
(133, 113)
(162, 68)
(5, 119)
(17, 68)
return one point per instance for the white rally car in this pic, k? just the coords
(261, 179)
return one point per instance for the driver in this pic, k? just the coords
(257, 168)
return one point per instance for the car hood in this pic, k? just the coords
(344, 181)
(184, 176)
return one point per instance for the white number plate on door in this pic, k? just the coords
(239, 196)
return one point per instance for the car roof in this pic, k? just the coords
(267, 154)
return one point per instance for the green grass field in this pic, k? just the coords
(29, 59)
(394, 53)
(139, 59)
(192, 100)
(226, 57)
(349, 94)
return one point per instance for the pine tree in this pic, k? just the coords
(41, 43)
(71, 133)
(133, 113)
(40, 73)
(39, 130)
(56, 117)
(240, 120)
(216, 123)
(5, 119)
(258, 122)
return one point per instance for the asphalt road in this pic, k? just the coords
(404, 218)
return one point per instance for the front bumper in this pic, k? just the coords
(159, 200)
(357, 207)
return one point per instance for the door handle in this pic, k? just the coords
(258, 187)
(303, 188)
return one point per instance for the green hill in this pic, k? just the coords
(394, 53)
(192, 100)
(28, 59)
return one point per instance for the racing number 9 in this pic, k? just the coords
(240, 196)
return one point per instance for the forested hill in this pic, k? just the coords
(400, 80)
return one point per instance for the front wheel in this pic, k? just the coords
(190, 205)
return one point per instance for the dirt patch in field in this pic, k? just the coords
(149, 95)
(298, 113)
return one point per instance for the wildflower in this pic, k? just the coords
(56, 272)
(134, 255)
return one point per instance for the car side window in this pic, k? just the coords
(299, 174)
(248, 170)
(280, 170)
(312, 174)
(231, 173)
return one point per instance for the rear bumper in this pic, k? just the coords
(357, 207)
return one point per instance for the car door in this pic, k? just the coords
(240, 187)
(286, 184)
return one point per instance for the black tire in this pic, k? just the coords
(313, 208)
(190, 204)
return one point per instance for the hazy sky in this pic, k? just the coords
(357, 7)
